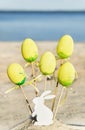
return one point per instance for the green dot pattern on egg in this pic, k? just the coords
(66, 74)
(47, 63)
(29, 50)
(16, 74)
(65, 46)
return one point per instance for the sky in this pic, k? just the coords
(43, 5)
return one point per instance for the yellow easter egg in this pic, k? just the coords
(47, 63)
(65, 46)
(66, 74)
(29, 50)
(16, 73)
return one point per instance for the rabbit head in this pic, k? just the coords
(44, 95)
(38, 100)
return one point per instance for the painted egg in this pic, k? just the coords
(66, 74)
(16, 73)
(65, 46)
(47, 63)
(29, 50)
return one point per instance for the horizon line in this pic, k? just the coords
(42, 11)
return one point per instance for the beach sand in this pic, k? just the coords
(13, 111)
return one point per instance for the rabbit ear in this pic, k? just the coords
(45, 93)
(49, 97)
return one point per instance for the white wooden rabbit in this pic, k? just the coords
(43, 114)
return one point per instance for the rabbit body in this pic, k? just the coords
(43, 113)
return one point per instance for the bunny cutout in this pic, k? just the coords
(43, 114)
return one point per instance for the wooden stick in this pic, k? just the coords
(32, 80)
(33, 74)
(56, 89)
(27, 83)
(58, 102)
(51, 83)
(26, 65)
(11, 89)
(33, 70)
(65, 97)
(50, 79)
(45, 82)
(26, 99)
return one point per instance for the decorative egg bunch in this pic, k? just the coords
(47, 66)
(66, 72)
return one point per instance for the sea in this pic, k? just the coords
(42, 26)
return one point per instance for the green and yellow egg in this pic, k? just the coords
(65, 46)
(16, 73)
(66, 74)
(29, 50)
(47, 63)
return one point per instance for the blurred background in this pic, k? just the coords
(42, 19)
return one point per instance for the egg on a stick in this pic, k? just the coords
(17, 75)
(29, 52)
(47, 64)
(65, 47)
(66, 76)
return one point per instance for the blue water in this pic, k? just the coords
(16, 26)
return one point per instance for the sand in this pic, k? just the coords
(13, 111)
